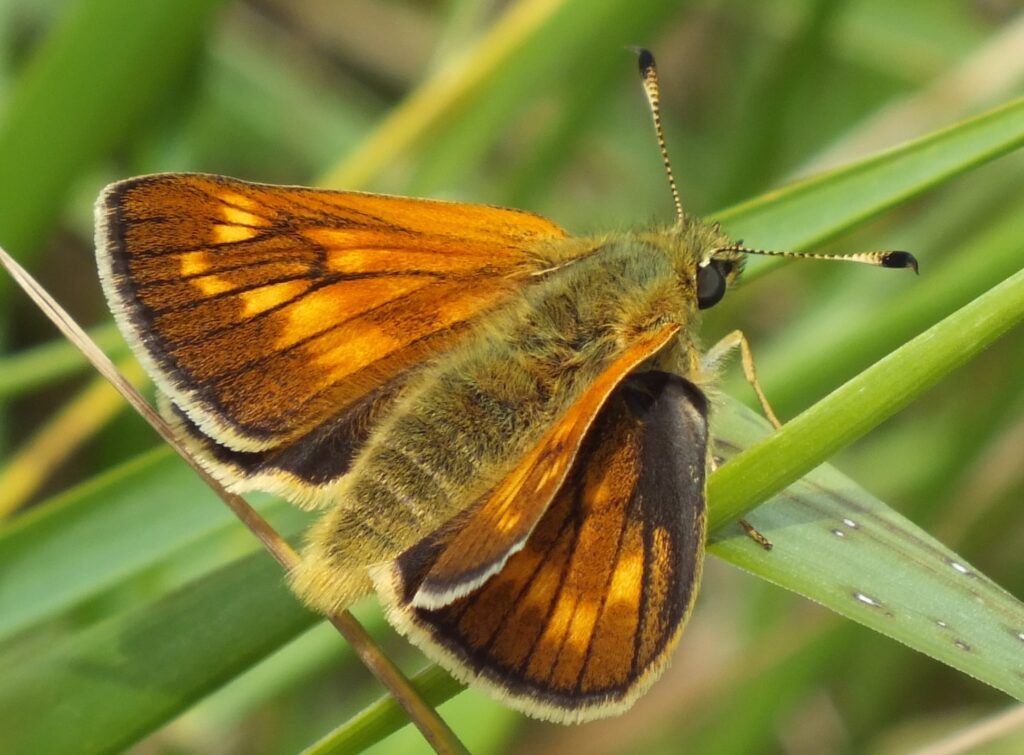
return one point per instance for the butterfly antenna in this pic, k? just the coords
(649, 76)
(883, 258)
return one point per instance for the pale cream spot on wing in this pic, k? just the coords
(193, 263)
(549, 474)
(370, 250)
(267, 297)
(321, 309)
(229, 234)
(509, 521)
(582, 629)
(211, 285)
(360, 346)
(626, 578)
(239, 216)
(233, 197)
(602, 493)
(354, 259)
(561, 617)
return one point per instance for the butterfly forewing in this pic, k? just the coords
(265, 311)
(580, 621)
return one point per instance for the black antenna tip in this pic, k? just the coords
(645, 58)
(900, 259)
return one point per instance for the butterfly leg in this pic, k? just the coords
(720, 350)
(752, 532)
(711, 359)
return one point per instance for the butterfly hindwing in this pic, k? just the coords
(580, 621)
(263, 312)
(303, 470)
(498, 524)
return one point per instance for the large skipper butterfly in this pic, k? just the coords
(505, 425)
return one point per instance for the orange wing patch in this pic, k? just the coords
(264, 310)
(499, 525)
(583, 619)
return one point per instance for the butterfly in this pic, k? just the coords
(506, 426)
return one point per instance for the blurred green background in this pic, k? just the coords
(534, 105)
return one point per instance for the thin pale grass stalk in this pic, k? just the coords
(47, 363)
(436, 98)
(50, 446)
(995, 472)
(382, 718)
(971, 738)
(437, 733)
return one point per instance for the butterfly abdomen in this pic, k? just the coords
(467, 419)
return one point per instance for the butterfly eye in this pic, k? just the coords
(710, 285)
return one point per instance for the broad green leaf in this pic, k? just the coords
(840, 546)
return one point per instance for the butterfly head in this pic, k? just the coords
(705, 259)
(715, 275)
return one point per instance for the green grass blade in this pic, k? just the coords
(105, 687)
(40, 365)
(840, 546)
(385, 716)
(102, 534)
(808, 212)
(82, 92)
(864, 402)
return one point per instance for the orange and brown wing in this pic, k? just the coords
(497, 526)
(302, 470)
(264, 311)
(583, 619)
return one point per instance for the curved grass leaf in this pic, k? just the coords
(816, 209)
(103, 534)
(105, 687)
